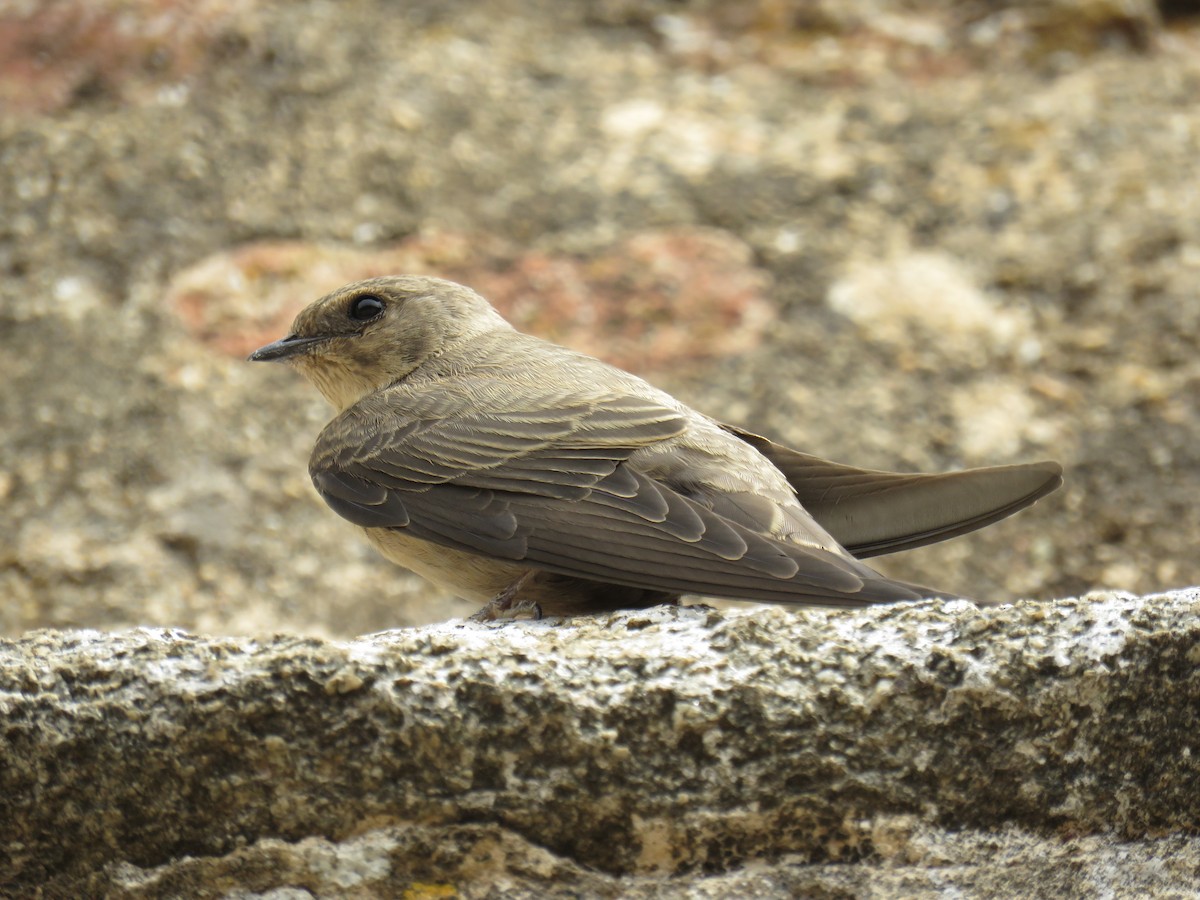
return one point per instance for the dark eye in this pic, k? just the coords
(366, 308)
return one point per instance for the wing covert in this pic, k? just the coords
(550, 486)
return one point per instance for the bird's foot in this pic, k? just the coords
(506, 605)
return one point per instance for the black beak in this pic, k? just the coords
(283, 349)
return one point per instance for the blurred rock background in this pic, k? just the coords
(906, 234)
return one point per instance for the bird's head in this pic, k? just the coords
(370, 334)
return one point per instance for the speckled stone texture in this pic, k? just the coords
(1032, 750)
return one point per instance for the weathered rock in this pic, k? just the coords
(1040, 749)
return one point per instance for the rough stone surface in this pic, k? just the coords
(1032, 750)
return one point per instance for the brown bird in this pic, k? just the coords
(507, 469)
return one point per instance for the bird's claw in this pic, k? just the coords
(505, 605)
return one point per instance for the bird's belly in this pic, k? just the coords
(465, 575)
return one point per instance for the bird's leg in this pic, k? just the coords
(505, 604)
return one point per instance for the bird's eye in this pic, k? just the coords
(366, 308)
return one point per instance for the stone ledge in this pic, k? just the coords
(669, 742)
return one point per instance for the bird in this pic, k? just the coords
(540, 481)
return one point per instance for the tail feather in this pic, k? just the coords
(871, 513)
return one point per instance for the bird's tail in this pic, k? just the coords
(871, 512)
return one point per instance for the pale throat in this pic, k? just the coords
(342, 385)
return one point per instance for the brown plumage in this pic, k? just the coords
(507, 469)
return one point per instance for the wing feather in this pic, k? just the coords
(551, 486)
(871, 512)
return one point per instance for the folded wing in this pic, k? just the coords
(545, 481)
(871, 513)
